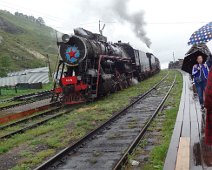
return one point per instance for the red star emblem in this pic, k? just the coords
(72, 54)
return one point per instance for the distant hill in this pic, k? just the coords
(24, 42)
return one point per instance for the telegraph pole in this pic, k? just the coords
(99, 26)
(173, 57)
(48, 64)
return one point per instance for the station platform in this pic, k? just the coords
(187, 149)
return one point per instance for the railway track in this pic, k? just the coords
(25, 110)
(107, 146)
(9, 130)
(20, 126)
(26, 99)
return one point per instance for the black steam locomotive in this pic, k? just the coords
(91, 67)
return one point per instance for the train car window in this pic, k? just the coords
(149, 59)
(153, 59)
(137, 60)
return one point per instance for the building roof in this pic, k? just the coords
(26, 76)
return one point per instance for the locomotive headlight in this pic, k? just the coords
(65, 38)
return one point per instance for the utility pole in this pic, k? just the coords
(48, 64)
(99, 27)
(173, 57)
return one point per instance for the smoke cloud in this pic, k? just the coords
(118, 10)
(136, 20)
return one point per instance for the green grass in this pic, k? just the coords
(34, 37)
(37, 158)
(60, 132)
(9, 92)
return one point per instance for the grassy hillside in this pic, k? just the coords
(24, 44)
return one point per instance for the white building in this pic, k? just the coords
(29, 76)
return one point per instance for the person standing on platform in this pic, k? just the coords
(200, 74)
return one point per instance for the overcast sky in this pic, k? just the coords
(169, 23)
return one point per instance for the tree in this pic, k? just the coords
(16, 14)
(40, 21)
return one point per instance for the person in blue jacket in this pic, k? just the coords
(200, 74)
